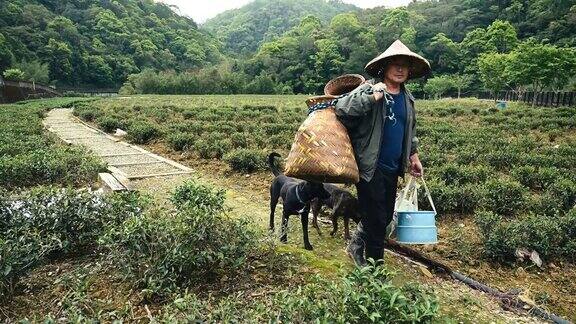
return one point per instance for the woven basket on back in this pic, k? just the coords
(322, 151)
(343, 84)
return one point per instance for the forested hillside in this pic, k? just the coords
(98, 43)
(242, 30)
(287, 46)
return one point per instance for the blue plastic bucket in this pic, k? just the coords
(416, 227)
(501, 105)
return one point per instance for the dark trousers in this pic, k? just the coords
(376, 200)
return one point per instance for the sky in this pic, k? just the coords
(201, 10)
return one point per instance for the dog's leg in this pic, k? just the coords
(284, 228)
(346, 228)
(304, 220)
(274, 196)
(334, 218)
(336, 210)
(316, 207)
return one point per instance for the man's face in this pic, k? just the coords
(397, 70)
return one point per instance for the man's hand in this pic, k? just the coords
(378, 86)
(416, 168)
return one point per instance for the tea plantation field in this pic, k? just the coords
(513, 171)
(70, 253)
(501, 180)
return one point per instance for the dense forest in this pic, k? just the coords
(242, 30)
(98, 43)
(287, 46)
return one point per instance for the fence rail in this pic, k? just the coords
(546, 98)
(104, 92)
(12, 91)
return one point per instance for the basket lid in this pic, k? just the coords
(343, 84)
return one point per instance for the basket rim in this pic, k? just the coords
(347, 78)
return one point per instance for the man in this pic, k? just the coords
(381, 120)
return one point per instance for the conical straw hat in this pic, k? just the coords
(419, 66)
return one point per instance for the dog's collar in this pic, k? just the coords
(298, 195)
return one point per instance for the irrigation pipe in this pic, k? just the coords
(507, 299)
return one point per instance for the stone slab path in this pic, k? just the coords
(124, 159)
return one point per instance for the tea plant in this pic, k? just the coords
(49, 222)
(196, 244)
(365, 295)
(29, 156)
(246, 160)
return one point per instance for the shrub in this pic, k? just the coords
(197, 244)
(550, 237)
(14, 75)
(452, 199)
(193, 195)
(49, 222)
(563, 192)
(545, 205)
(110, 123)
(88, 115)
(179, 141)
(246, 160)
(239, 140)
(504, 197)
(63, 165)
(212, 149)
(535, 178)
(366, 295)
(141, 132)
(462, 174)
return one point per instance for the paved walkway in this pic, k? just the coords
(127, 160)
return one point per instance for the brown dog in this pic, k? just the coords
(342, 203)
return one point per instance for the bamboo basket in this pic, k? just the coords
(321, 151)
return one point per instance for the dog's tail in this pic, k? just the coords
(272, 165)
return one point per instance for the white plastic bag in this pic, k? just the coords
(407, 200)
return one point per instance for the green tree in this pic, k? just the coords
(461, 81)
(6, 55)
(59, 60)
(346, 25)
(445, 53)
(34, 71)
(261, 84)
(395, 23)
(437, 86)
(494, 71)
(502, 36)
(542, 65)
(64, 29)
(98, 71)
(327, 61)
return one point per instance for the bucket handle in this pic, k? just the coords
(428, 195)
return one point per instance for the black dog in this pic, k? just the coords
(342, 203)
(296, 196)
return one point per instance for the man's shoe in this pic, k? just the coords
(355, 251)
(377, 254)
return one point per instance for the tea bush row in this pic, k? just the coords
(551, 237)
(30, 156)
(50, 222)
(365, 295)
(503, 196)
